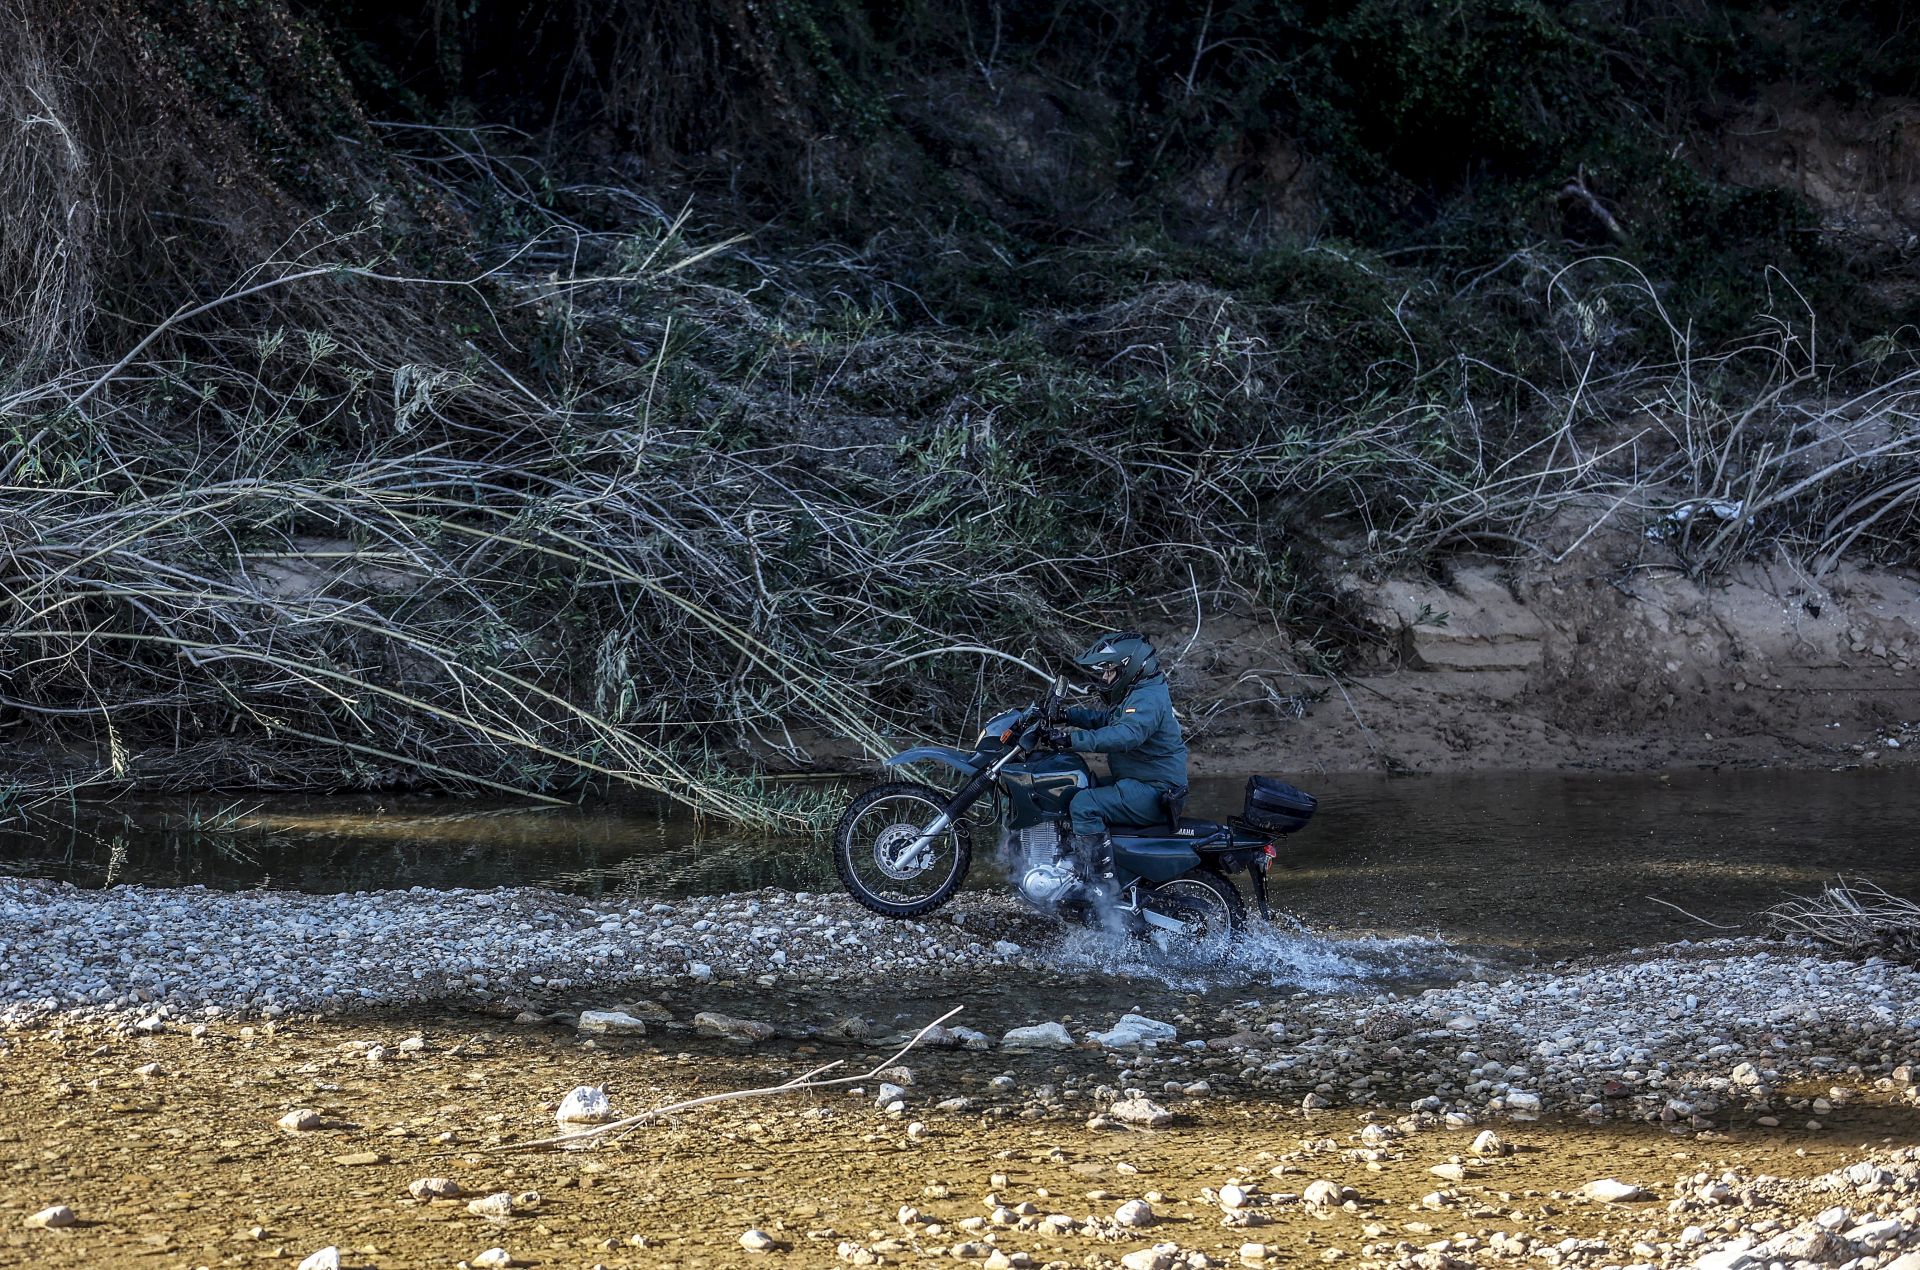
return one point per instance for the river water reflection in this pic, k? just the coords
(1538, 865)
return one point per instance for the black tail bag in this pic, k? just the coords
(1277, 807)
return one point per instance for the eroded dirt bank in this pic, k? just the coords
(1586, 665)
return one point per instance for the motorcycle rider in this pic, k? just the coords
(1139, 734)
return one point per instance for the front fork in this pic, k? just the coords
(915, 856)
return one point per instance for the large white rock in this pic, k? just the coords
(300, 1120)
(492, 1259)
(612, 1023)
(1039, 1036)
(1134, 1030)
(327, 1258)
(1522, 1101)
(585, 1104)
(52, 1218)
(1135, 1212)
(425, 1188)
(757, 1241)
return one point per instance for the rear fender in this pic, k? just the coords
(959, 760)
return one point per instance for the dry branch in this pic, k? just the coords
(1855, 916)
(806, 1080)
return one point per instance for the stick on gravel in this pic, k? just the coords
(803, 1081)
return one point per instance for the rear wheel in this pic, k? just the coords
(1210, 906)
(875, 856)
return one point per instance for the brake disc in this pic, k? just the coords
(890, 848)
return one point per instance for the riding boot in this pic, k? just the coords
(1095, 851)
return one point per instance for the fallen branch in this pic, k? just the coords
(1855, 916)
(803, 1081)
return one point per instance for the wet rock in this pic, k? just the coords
(1522, 1101)
(302, 1120)
(584, 1104)
(327, 1258)
(1610, 1190)
(954, 1106)
(727, 1028)
(887, 1094)
(1038, 1036)
(757, 1241)
(1135, 1030)
(1134, 1213)
(1142, 1112)
(426, 1188)
(53, 1218)
(611, 1023)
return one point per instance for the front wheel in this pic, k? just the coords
(1210, 906)
(876, 856)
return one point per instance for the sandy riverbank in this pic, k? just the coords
(1651, 1067)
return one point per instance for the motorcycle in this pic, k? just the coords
(903, 848)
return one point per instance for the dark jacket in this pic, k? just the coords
(1140, 736)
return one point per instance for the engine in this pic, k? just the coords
(1035, 860)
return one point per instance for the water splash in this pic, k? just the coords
(1280, 954)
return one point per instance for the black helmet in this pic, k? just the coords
(1127, 654)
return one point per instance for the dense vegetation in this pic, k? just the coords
(523, 393)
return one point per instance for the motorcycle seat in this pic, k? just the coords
(1194, 833)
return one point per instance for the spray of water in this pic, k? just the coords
(1279, 954)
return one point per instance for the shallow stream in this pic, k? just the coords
(1516, 867)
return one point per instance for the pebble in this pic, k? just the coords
(425, 1188)
(53, 1218)
(302, 1120)
(757, 1241)
(492, 1259)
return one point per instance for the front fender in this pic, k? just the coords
(960, 760)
